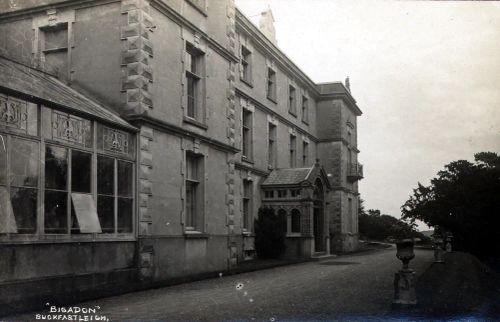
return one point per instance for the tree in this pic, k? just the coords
(270, 234)
(464, 199)
(376, 226)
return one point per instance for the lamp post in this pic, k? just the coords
(404, 279)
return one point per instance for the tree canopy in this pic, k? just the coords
(464, 199)
(377, 226)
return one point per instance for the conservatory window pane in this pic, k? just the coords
(24, 163)
(56, 167)
(74, 226)
(56, 219)
(125, 215)
(24, 205)
(81, 171)
(125, 179)
(7, 219)
(105, 175)
(106, 213)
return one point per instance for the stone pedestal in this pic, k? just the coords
(404, 287)
(438, 254)
(448, 246)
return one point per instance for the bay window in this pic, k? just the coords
(76, 177)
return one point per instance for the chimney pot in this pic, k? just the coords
(266, 25)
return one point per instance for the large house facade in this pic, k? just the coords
(139, 139)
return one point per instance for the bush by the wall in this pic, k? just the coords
(269, 234)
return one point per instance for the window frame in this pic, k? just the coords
(6, 143)
(246, 65)
(271, 146)
(271, 87)
(116, 194)
(292, 100)
(294, 213)
(194, 85)
(305, 109)
(44, 52)
(293, 151)
(269, 194)
(282, 193)
(194, 220)
(247, 205)
(305, 153)
(350, 212)
(246, 135)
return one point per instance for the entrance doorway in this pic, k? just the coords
(318, 220)
(318, 230)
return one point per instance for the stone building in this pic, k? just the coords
(140, 138)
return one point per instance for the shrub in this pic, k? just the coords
(269, 234)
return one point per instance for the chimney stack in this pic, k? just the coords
(266, 25)
(348, 84)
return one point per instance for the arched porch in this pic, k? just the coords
(300, 195)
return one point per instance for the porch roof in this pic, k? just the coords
(297, 176)
(47, 89)
(292, 176)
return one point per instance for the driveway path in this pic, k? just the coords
(352, 287)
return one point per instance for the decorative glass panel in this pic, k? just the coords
(32, 111)
(24, 163)
(13, 113)
(106, 213)
(56, 167)
(24, 205)
(46, 120)
(56, 219)
(105, 175)
(125, 215)
(115, 141)
(72, 129)
(81, 171)
(125, 179)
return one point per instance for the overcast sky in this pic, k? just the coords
(425, 74)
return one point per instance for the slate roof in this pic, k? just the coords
(287, 176)
(40, 85)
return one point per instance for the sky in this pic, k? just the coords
(426, 75)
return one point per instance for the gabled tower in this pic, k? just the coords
(337, 148)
